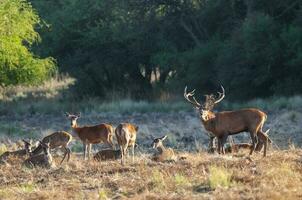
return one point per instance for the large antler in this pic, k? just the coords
(191, 94)
(221, 95)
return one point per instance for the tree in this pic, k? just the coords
(17, 34)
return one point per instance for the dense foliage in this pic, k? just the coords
(17, 64)
(141, 48)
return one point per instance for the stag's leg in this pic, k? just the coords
(254, 141)
(223, 141)
(211, 145)
(85, 150)
(263, 140)
(219, 144)
(89, 150)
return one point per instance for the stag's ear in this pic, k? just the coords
(164, 137)
(136, 128)
(67, 114)
(79, 115)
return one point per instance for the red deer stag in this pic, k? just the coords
(223, 124)
(91, 134)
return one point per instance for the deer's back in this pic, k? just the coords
(57, 139)
(94, 134)
(125, 132)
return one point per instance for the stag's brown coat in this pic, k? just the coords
(223, 124)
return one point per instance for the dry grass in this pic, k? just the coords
(278, 176)
(49, 89)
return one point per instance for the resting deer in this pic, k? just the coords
(223, 124)
(107, 154)
(41, 160)
(126, 136)
(91, 134)
(163, 154)
(18, 153)
(59, 139)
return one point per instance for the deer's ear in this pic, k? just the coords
(79, 115)
(25, 142)
(67, 114)
(164, 137)
(136, 128)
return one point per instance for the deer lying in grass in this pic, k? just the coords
(18, 153)
(126, 136)
(41, 160)
(232, 147)
(163, 154)
(91, 134)
(107, 154)
(59, 139)
(223, 124)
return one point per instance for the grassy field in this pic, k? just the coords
(198, 176)
(33, 112)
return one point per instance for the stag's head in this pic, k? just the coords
(73, 118)
(205, 108)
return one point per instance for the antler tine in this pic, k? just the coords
(221, 95)
(191, 94)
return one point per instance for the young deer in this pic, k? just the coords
(107, 154)
(59, 139)
(232, 147)
(163, 154)
(18, 153)
(223, 124)
(42, 160)
(126, 136)
(91, 134)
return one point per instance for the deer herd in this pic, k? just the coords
(219, 125)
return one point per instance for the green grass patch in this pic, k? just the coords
(157, 180)
(181, 180)
(3, 148)
(27, 187)
(219, 177)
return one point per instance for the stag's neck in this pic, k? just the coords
(211, 116)
(210, 122)
(161, 149)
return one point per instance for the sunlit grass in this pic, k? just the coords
(219, 177)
